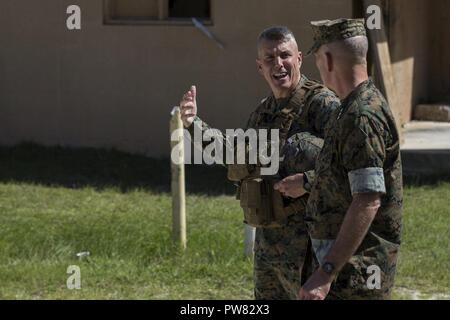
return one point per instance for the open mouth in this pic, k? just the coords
(280, 76)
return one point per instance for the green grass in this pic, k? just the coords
(56, 202)
(425, 255)
(128, 236)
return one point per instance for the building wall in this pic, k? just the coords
(114, 86)
(439, 46)
(419, 47)
(408, 41)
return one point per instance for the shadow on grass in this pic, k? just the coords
(100, 169)
(415, 180)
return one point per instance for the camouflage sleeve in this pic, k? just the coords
(202, 135)
(251, 123)
(199, 123)
(300, 154)
(363, 155)
(321, 107)
(201, 131)
(199, 126)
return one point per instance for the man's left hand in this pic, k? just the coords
(317, 286)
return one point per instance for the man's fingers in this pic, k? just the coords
(318, 296)
(190, 94)
(187, 112)
(302, 295)
(187, 106)
(188, 115)
(311, 295)
(187, 98)
(307, 296)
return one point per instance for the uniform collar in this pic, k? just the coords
(352, 95)
(361, 87)
(279, 103)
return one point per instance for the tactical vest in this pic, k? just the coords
(263, 206)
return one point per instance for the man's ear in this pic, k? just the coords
(300, 58)
(330, 62)
(259, 66)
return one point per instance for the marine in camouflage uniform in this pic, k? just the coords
(280, 252)
(361, 154)
(283, 256)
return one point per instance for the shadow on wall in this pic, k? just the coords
(100, 169)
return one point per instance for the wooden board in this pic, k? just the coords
(382, 61)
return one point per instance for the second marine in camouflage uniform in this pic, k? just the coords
(362, 140)
(361, 155)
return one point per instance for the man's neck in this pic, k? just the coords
(287, 93)
(350, 81)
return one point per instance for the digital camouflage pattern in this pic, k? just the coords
(283, 254)
(300, 154)
(317, 104)
(361, 141)
(279, 260)
(326, 31)
(280, 253)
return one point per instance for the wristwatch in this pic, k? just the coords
(328, 268)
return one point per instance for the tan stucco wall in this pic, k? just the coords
(113, 86)
(408, 41)
(419, 46)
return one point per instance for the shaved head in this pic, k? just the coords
(352, 50)
(343, 64)
(276, 34)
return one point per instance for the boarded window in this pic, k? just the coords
(189, 9)
(135, 9)
(156, 10)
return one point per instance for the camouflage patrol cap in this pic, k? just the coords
(326, 31)
(300, 153)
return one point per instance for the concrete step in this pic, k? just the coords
(426, 150)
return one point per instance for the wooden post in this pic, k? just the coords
(382, 61)
(177, 183)
(163, 9)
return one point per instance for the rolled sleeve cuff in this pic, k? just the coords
(321, 248)
(367, 180)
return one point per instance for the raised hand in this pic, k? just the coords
(188, 107)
